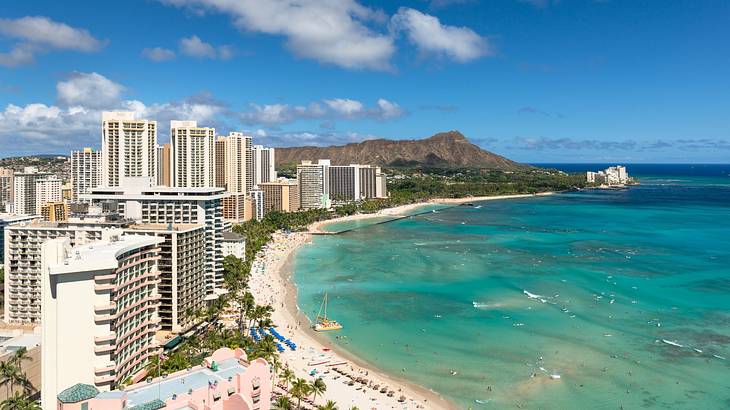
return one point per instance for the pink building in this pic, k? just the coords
(225, 381)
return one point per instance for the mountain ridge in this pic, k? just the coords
(444, 149)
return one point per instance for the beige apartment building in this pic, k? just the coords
(235, 172)
(86, 171)
(182, 272)
(55, 211)
(193, 155)
(100, 311)
(6, 189)
(22, 260)
(164, 205)
(281, 195)
(314, 184)
(128, 147)
(164, 165)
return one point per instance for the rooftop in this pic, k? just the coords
(232, 236)
(101, 255)
(165, 227)
(180, 384)
(78, 392)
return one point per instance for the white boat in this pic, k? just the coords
(323, 323)
(534, 296)
(669, 342)
(555, 376)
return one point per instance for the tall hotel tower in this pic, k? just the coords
(193, 155)
(129, 148)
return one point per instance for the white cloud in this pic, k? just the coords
(430, 36)
(388, 109)
(37, 34)
(195, 47)
(89, 90)
(345, 106)
(331, 109)
(158, 54)
(74, 121)
(330, 31)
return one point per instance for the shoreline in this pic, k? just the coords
(271, 283)
(403, 210)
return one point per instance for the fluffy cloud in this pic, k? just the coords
(430, 36)
(338, 108)
(39, 34)
(330, 31)
(74, 121)
(158, 54)
(195, 47)
(89, 90)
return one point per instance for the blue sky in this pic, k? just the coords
(534, 80)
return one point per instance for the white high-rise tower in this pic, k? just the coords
(129, 148)
(193, 155)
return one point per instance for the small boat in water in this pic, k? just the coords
(669, 342)
(323, 323)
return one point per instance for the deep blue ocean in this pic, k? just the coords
(624, 294)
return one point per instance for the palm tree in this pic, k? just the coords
(11, 375)
(153, 366)
(19, 356)
(19, 402)
(330, 405)
(317, 387)
(282, 403)
(7, 374)
(300, 390)
(287, 376)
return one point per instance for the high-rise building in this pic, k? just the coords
(23, 265)
(381, 184)
(234, 207)
(314, 184)
(128, 147)
(193, 155)
(100, 311)
(182, 272)
(163, 205)
(163, 165)
(86, 171)
(55, 211)
(32, 189)
(356, 182)
(6, 189)
(220, 161)
(263, 160)
(7, 219)
(344, 183)
(234, 174)
(281, 195)
(47, 190)
(257, 200)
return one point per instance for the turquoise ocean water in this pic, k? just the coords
(618, 273)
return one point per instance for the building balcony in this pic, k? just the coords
(103, 308)
(105, 338)
(105, 287)
(105, 348)
(103, 379)
(104, 318)
(109, 367)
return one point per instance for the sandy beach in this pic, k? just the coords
(271, 284)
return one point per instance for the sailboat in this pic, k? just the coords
(323, 323)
